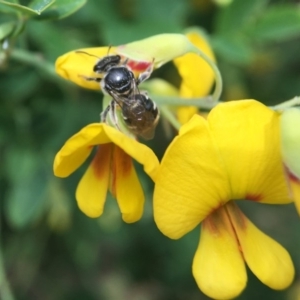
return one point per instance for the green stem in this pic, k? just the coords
(205, 102)
(165, 111)
(40, 63)
(219, 83)
(35, 60)
(287, 104)
(5, 291)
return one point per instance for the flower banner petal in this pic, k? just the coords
(218, 265)
(266, 258)
(92, 188)
(126, 187)
(159, 48)
(190, 182)
(77, 148)
(247, 135)
(75, 64)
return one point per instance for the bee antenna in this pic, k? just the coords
(109, 47)
(79, 51)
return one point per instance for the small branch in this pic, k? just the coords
(287, 104)
(170, 116)
(5, 290)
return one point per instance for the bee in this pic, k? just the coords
(139, 112)
(117, 79)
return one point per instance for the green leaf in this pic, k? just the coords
(40, 5)
(238, 14)
(280, 22)
(26, 198)
(154, 12)
(233, 49)
(6, 29)
(17, 8)
(62, 8)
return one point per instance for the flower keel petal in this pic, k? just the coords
(218, 265)
(92, 188)
(126, 187)
(266, 258)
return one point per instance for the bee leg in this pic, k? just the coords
(114, 116)
(103, 115)
(97, 79)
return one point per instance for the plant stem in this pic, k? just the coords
(5, 291)
(170, 116)
(205, 102)
(219, 83)
(287, 104)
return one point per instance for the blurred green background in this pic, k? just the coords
(50, 250)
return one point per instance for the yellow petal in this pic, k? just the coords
(197, 76)
(92, 188)
(77, 149)
(290, 139)
(191, 182)
(73, 64)
(266, 258)
(141, 153)
(126, 187)
(247, 135)
(218, 265)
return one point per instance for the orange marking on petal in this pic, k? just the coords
(124, 161)
(254, 197)
(121, 167)
(209, 225)
(293, 177)
(103, 154)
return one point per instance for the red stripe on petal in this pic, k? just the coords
(293, 177)
(138, 66)
(254, 197)
(124, 161)
(103, 154)
(121, 167)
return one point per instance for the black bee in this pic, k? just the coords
(116, 79)
(139, 112)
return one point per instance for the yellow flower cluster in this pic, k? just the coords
(242, 150)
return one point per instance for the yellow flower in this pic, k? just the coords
(197, 76)
(234, 154)
(290, 147)
(74, 64)
(112, 168)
